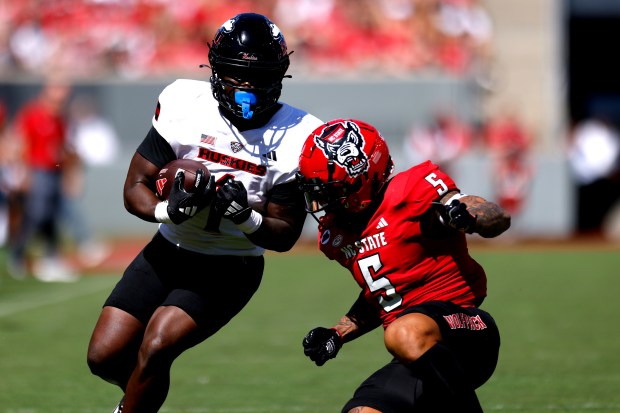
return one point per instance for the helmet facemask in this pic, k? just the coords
(246, 92)
(319, 196)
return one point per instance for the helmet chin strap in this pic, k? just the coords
(245, 99)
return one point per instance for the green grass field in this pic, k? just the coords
(556, 312)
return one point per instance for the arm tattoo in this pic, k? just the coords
(359, 320)
(491, 219)
(347, 327)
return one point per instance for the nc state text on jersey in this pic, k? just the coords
(232, 162)
(369, 243)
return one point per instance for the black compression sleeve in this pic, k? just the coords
(156, 149)
(287, 194)
(364, 314)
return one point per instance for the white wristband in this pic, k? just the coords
(453, 197)
(251, 224)
(161, 213)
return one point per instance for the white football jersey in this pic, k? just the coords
(191, 123)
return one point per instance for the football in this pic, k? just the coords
(166, 175)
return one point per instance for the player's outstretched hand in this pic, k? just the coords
(183, 205)
(231, 202)
(457, 216)
(322, 344)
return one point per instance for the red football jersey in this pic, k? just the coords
(394, 263)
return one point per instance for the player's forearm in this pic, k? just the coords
(491, 219)
(139, 188)
(280, 228)
(275, 234)
(348, 329)
(359, 320)
(140, 201)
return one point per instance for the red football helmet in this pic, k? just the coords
(344, 163)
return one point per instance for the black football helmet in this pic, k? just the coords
(248, 48)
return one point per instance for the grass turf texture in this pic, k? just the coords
(556, 312)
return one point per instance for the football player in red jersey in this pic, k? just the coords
(206, 260)
(403, 239)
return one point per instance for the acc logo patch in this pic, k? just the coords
(337, 240)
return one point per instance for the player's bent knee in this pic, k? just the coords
(94, 363)
(410, 336)
(101, 365)
(157, 353)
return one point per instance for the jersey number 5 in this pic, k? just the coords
(390, 299)
(438, 183)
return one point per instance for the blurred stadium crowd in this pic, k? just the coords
(133, 39)
(90, 40)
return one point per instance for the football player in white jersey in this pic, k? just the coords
(206, 259)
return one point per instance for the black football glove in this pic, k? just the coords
(183, 205)
(231, 202)
(322, 344)
(456, 216)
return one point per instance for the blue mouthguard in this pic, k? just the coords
(245, 99)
